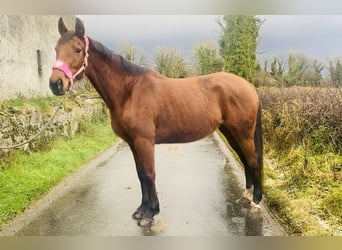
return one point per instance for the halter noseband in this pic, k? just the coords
(62, 66)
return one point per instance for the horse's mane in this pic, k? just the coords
(108, 54)
(100, 48)
(131, 67)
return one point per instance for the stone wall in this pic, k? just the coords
(20, 124)
(27, 53)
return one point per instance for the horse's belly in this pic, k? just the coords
(180, 137)
(191, 131)
(188, 116)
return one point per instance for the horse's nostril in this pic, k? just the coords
(59, 84)
(57, 87)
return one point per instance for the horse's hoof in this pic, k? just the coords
(246, 198)
(244, 201)
(137, 215)
(255, 207)
(146, 222)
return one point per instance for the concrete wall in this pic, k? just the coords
(22, 39)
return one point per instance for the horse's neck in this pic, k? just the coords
(105, 77)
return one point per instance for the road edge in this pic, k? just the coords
(239, 173)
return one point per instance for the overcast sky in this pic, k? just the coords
(319, 36)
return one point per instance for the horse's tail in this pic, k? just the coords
(258, 141)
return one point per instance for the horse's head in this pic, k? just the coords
(71, 57)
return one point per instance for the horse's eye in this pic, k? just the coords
(78, 50)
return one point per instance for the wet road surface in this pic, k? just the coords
(197, 189)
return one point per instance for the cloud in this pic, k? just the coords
(315, 35)
(318, 36)
(150, 28)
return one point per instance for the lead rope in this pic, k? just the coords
(36, 135)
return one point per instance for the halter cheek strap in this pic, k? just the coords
(62, 66)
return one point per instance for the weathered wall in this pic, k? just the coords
(22, 38)
(19, 124)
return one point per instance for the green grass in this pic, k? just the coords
(22, 104)
(302, 142)
(301, 189)
(28, 177)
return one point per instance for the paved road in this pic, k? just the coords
(197, 188)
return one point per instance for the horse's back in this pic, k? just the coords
(230, 82)
(190, 108)
(222, 82)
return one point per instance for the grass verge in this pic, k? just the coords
(303, 192)
(305, 200)
(302, 140)
(27, 177)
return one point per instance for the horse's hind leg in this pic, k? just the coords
(243, 144)
(143, 152)
(254, 169)
(247, 195)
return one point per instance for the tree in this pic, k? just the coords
(303, 70)
(316, 76)
(238, 44)
(335, 70)
(207, 59)
(277, 69)
(297, 66)
(170, 63)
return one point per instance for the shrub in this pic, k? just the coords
(300, 115)
(302, 131)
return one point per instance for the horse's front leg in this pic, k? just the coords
(143, 152)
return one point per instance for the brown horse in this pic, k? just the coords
(147, 108)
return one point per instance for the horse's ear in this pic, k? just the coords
(61, 27)
(79, 28)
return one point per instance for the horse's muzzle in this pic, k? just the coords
(57, 87)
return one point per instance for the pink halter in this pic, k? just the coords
(60, 65)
